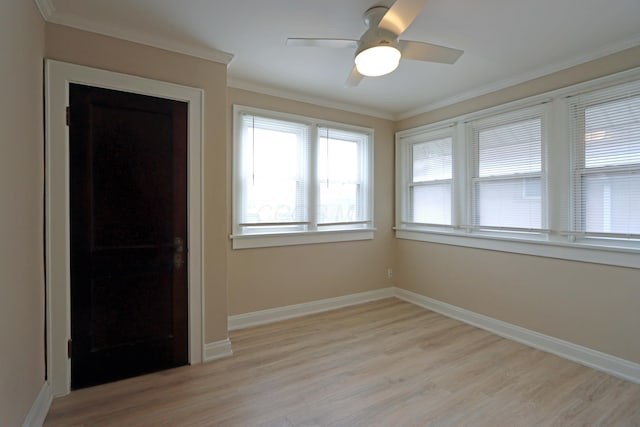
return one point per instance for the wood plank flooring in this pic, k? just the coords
(386, 363)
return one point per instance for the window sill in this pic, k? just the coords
(246, 241)
(583, 252)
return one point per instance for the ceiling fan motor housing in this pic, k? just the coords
(376, 36)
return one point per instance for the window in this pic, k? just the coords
(431, 182)
(507, 181)
(428, 181)
(273, 172)
(297, 180)
(555, 175)
(606, 167)
(342, 178)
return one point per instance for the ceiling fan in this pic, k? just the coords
(378, 52)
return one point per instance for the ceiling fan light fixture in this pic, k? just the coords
(377, 60)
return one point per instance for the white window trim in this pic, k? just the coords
(557, 156)
(403, 180)
(272, 239)
(540, 109)
(579, 168)
(245, 241)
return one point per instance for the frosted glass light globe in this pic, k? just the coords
(377, 61)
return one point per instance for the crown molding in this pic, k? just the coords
(306, 98)
(210, 54)
(522, 78)
(46, 8)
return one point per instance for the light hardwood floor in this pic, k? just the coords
(386, 363)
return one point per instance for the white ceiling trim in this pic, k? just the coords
(541, 72)
(210, 54)
(309, 99)
(46, 8)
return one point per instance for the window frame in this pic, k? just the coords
(580, 170)
(554, 241)
(311, 232)
(404, 173)
(490, 120)
(363, 180)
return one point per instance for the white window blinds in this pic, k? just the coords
(554, 175)
(273, 170)
(298, 180)
(507, 176)
(342, 177)
(605, 127)
(431, 181)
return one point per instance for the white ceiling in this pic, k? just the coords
(505, 42)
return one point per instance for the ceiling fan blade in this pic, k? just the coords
(420, 51)
(334, 43)
(354, 78)
(401, 15)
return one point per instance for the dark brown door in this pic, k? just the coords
(128, 161)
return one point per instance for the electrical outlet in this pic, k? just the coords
(389, 273)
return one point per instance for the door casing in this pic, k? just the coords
(58, 75)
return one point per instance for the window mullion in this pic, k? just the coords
(313, 178)
(459, 186)
(471, 169)
(557, 159)
(545, 136)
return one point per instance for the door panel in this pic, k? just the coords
(128, 212)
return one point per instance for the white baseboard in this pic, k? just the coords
(262, 317)
(592, 358)
(40, 407)
(217, 350)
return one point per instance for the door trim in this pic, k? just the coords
(58, 75)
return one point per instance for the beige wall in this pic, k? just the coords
(21, 210)
(265, 278)
(90, 49)
(588, 304)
